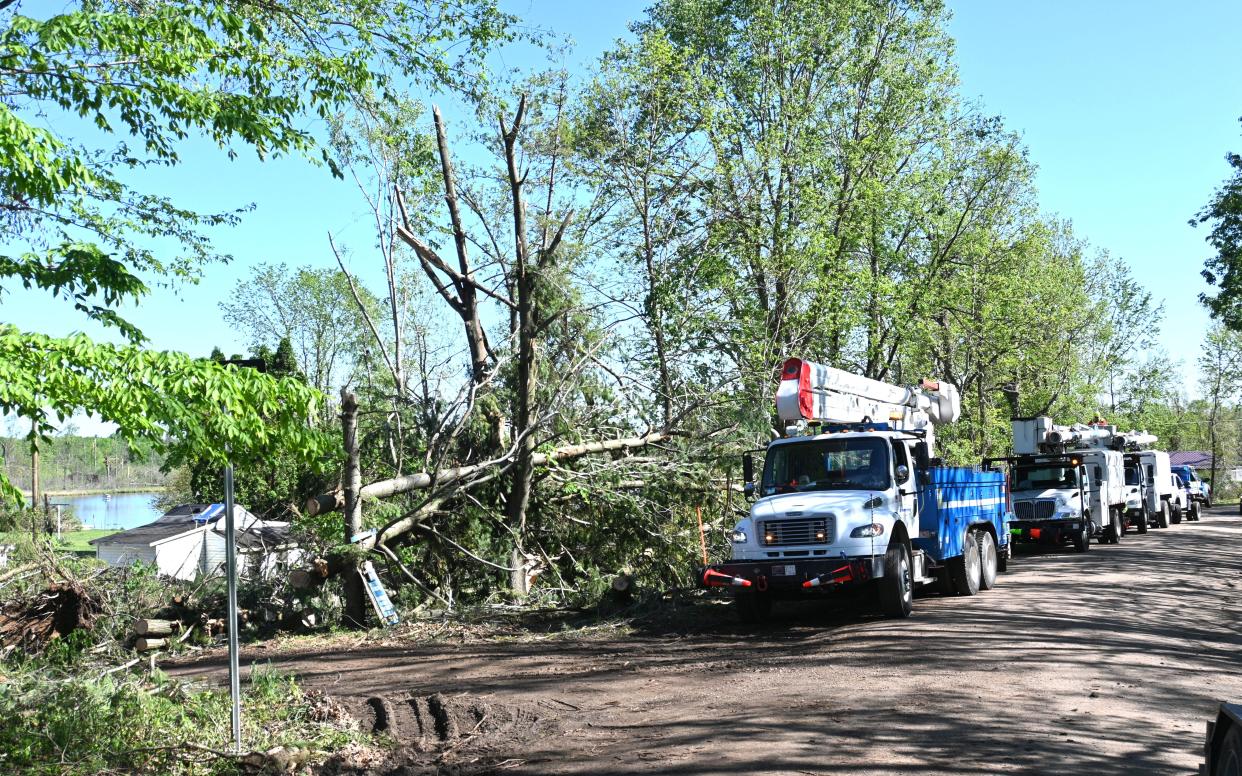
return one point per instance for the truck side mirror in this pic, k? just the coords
(748, 475)
(922, 459)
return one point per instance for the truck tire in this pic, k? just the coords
(1113, 532)
(1002, 557)
(966, 568)
(1193, 514)
(987, 561)
(1140, 524)
(1177, 516)
(1162, 517)
(1082, 539)
(1207, 503)
(753, 608)
(897, 584)
(1228, 759)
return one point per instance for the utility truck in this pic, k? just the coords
(850, 495)
(1158, 489)
(1198, 489)
(1069, 482)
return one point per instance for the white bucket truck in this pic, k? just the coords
(1157, 487)
(849, 496)
(1069, 482)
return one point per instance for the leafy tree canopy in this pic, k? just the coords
(1224, 270)
(139, 78)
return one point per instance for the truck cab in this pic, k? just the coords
(831, 496)
(1051, 500)
(1198, 489)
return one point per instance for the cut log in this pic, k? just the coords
(315, 574)
(146, 645)
(149, 627)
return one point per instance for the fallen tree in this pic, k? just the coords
(323, 568)
(335, 501)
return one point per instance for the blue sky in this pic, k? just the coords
(1127, 108)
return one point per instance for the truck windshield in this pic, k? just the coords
(1044, 477)
(851, 463)
(1132, 476)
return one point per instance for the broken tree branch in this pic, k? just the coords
(330, 502)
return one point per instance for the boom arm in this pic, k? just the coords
(1034, 435)
(823, 394)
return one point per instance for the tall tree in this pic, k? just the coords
(312, 310)
(1224, 270)
(1220, 369)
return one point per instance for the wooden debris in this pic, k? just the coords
(146, 645)
(152, 627)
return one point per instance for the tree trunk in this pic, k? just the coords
(355, 595)
(527, 372)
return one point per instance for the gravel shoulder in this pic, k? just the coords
(1107, 662)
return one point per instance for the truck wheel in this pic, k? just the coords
(1082, 539)
(1162, 517)
(1140, 524)
(987, 561)
(1193, 515)
(1003, 556)
(897, 584)
(753, 607)
(1207, 502)
(966, 568)
(1228, 760)
(1112, 533)
(1177, 516)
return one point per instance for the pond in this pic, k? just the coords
(118, 510)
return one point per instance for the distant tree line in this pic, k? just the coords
(69, 463)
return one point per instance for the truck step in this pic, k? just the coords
(918, 570)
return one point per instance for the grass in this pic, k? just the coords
(78, 541)
(73, 541)
(82, 723)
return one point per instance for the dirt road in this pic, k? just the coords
(1103, 663)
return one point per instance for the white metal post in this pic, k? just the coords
(230, 566)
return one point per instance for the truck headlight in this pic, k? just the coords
(866, 531)
(739, 536)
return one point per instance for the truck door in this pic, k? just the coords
(1099, 496)
(906, 487)
(1087, 489)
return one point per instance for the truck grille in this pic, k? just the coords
(782, 533)
(1034, 510)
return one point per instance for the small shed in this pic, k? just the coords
(188, 542)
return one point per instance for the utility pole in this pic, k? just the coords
(230, 568)
(34, 477)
